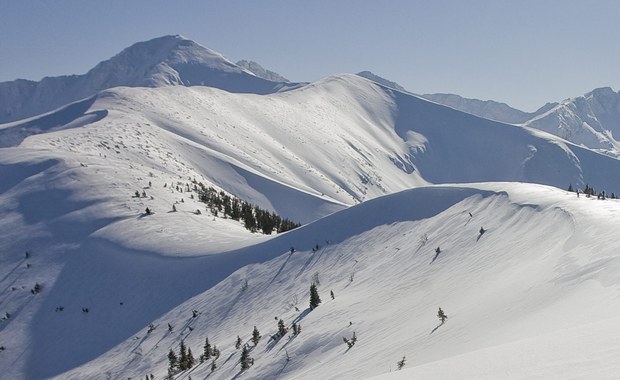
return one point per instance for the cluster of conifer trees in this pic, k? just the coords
(254, 218)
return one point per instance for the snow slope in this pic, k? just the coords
(66, 197)
(163, 61)
(542, 276)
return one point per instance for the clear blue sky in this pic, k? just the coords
(522, 52)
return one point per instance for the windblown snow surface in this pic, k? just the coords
(532, 297)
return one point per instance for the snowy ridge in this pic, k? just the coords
(487, 109)
(382, 81)
(592, 120)
(163, 61)
(67, 198)
(261, 72)
(536, 275)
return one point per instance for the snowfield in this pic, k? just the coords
(393, 191)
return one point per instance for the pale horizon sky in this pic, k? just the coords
(524, 53)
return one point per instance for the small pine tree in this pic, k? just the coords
(207, 349)
(255, 336)
(238, 343)
(331, 293)
(173, 362)
(281, 328)
(441, 315)
(315, 300)
(350, 342)
(190, 359)
(183, 357)
(213, 366)
(245, 359)
(401, 363)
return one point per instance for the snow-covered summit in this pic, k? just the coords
(591, 120)
(163, 61)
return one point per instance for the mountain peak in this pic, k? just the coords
(376, 78)
(602, 92)
(163, 61)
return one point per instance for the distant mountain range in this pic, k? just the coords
(592, 120)
(164, 61)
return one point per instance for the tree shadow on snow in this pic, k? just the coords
(438, 326)
(435, 258)
(281, 268)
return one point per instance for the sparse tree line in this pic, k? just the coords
(255, 219)
(590, 192)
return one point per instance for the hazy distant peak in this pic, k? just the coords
(375, 78)
(591, 120)
(260, 71)
(163, 61)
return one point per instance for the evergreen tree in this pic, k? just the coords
(207, 349)
(315, 300)
(331, 293)
(245, 358)
(173, 362)
(238, 343)
(401, 363)
(281, 328)
(190, 359)
(350, 342)
(213, 366)
(255, 336)
(441, 315)
(183, 357)
(570, 187)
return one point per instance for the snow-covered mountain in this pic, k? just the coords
(385, 82)
(261, 72)
(163, 61)
(339, 141)
(393, 190)
(592, 120)
(487, 109)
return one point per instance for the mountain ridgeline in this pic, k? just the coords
(163, 61)
(153, 208)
